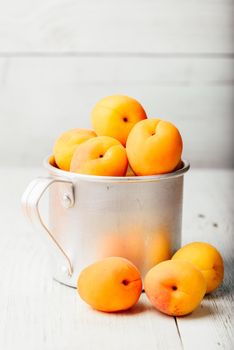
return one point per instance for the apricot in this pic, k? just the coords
(175, 287)
(130, 172)
(102, 155)
(66, 145)
(116, 115)
(110, 285)
(207, 259)
(179, 166)
(154, 146)
(52, 161)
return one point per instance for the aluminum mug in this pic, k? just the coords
(93, 217)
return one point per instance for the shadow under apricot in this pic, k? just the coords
(201, 312)
(139, 308)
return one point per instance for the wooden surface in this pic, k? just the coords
(39, 313)
(57, 58)
(138, 26)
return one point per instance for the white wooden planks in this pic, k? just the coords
(138, 26)
(208, 203)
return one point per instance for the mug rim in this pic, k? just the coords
(122, 179)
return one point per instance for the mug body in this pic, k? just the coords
(138, 218)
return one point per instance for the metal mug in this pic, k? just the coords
(93, 217)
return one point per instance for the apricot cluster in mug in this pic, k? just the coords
(123, 142)
(174, 287)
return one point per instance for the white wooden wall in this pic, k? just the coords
(57, 58)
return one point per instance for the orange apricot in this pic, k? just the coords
(207, 259)
(153, 147)
(66, 145)
(109, 285)
(130, 172)
(102, 155)
(116, 115)
(175, 287)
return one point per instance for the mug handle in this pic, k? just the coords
(30, 203)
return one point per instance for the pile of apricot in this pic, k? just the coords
(123, 142)
(174, 287)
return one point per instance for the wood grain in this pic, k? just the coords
(132, 26)
(37, 312)
(208, 204)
